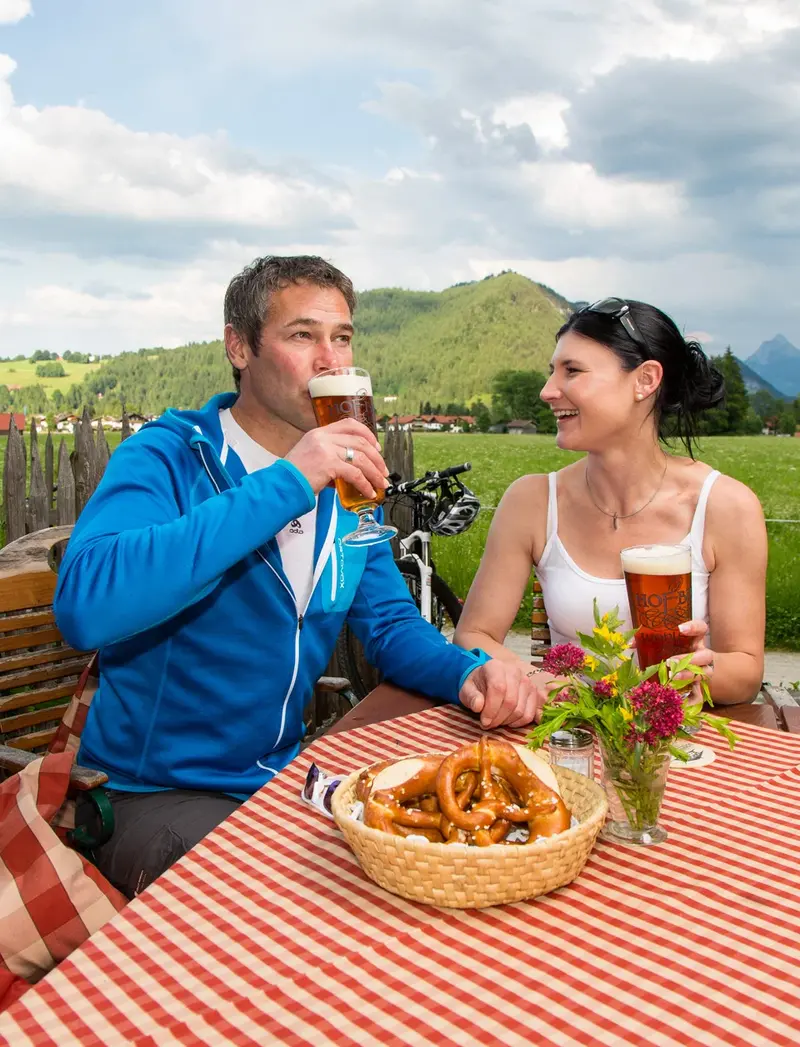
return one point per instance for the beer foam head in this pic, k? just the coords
(340, 385)
(657, 559)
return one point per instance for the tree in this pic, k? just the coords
(737, 404)
(516, 394)
(58, 399)
(787, 424)
(50, 370)
(480, 412)
(765, 404)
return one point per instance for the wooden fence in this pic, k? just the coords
(53, 492)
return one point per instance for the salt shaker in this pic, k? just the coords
(573, 749)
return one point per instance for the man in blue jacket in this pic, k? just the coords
(209, 570)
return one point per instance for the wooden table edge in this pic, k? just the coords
(389, 702)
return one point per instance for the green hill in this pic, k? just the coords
(438, 346)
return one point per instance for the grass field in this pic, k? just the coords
(23, 372)
(770, 466)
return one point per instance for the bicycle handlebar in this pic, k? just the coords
(454, 470)
(429, 481)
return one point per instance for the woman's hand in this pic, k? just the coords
(702, 657)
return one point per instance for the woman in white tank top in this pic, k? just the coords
(622, 377)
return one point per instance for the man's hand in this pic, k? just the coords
(322, 455)
(502, 695)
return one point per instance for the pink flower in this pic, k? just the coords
(563, 659)
(661, 709)
(603, 689)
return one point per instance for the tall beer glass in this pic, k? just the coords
(659, 583)
(346, 392)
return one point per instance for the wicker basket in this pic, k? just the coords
(461, 877)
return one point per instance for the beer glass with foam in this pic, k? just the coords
(659, 583)
(346, 392)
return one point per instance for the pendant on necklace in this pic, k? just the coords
(615, 521)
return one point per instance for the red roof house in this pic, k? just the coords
(5, 422)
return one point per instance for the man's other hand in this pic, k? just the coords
(502, 695)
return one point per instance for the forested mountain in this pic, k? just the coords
(434, 346)
(433, 351)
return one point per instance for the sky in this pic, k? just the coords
(648, 149)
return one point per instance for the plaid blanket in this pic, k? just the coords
(51, 898)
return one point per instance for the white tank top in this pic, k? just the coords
(569, 591)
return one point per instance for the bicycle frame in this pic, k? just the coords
(421, 538)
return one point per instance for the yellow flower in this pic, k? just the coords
(604, 633)
(627, 715)
(591, 663)
(611, 680)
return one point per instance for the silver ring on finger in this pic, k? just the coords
(349, 454)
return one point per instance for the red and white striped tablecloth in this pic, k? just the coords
(268, 932)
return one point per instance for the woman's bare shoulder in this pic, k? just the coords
(531, 487)
(730, 496)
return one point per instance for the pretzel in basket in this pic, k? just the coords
(476, 795)
(503, 776)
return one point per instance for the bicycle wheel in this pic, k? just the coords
(445, 612)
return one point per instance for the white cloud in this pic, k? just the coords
(541, 140)
(543, 114)
(703, 337)
(78, 161)
(14, 10)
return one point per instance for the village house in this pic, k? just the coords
(520, 427)
(5, 421)
(431, 423)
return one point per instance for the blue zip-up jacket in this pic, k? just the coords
(206, 661)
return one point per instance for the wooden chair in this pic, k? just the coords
(540, 630)
(40, 672)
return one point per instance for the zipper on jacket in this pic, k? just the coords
(300, 621)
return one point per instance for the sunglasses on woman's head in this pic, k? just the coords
(618, 309)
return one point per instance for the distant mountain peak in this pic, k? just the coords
(778, 362)
(779, 341)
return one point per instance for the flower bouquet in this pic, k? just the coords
(638, 717)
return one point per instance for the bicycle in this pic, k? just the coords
(441, 504)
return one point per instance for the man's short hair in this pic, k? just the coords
(249, 292)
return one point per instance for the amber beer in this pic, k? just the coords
(339, 396)
(659, 582)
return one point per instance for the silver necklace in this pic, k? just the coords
(616, 517)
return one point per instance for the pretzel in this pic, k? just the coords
(497, 760)
(367, 777)
(475, 796)
(384, 807)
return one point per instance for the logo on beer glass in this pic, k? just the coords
(358, 406)
(664, 610)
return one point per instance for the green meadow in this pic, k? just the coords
(769, 465)
(23, 372)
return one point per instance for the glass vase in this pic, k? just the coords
(634, 780)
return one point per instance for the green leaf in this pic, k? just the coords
(721, 726)
(678, 753)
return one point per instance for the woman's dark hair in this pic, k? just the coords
(691, 384)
